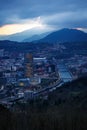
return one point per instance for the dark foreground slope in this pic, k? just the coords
(65, 109)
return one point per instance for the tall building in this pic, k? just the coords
(1, 52)
(28, 65)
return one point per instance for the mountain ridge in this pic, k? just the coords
(65, 35)
(20, 37)
(36, 37)
(60, 36)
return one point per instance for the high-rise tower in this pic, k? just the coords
(28, 65)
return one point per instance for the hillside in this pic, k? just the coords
(66, 35)
(65, 109)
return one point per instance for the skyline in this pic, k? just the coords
(19, 15)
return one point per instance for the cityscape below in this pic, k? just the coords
(35, 73)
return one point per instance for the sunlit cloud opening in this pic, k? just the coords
(16, 28)
(82, 29)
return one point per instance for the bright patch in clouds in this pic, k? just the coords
(22, 26)
(82, 29)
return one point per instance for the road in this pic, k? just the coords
(48, 89)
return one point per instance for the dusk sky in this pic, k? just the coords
(19, 15)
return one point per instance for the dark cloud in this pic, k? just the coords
(53, 12)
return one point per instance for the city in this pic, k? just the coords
(24, 77)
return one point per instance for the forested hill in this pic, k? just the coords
(65, 109)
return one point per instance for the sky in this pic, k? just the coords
(20, 15)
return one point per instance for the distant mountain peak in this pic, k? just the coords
(66, 35)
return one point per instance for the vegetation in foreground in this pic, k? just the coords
(65, 109)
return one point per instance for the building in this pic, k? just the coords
(28, 65)
(1, 52)
(35, 80)
(23, 82)
(40, 59)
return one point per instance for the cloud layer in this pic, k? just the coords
(52, 13)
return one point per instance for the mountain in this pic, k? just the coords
(35, 34)
(65, 35)
(40, 35)
(36, 37)
(25, 35)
